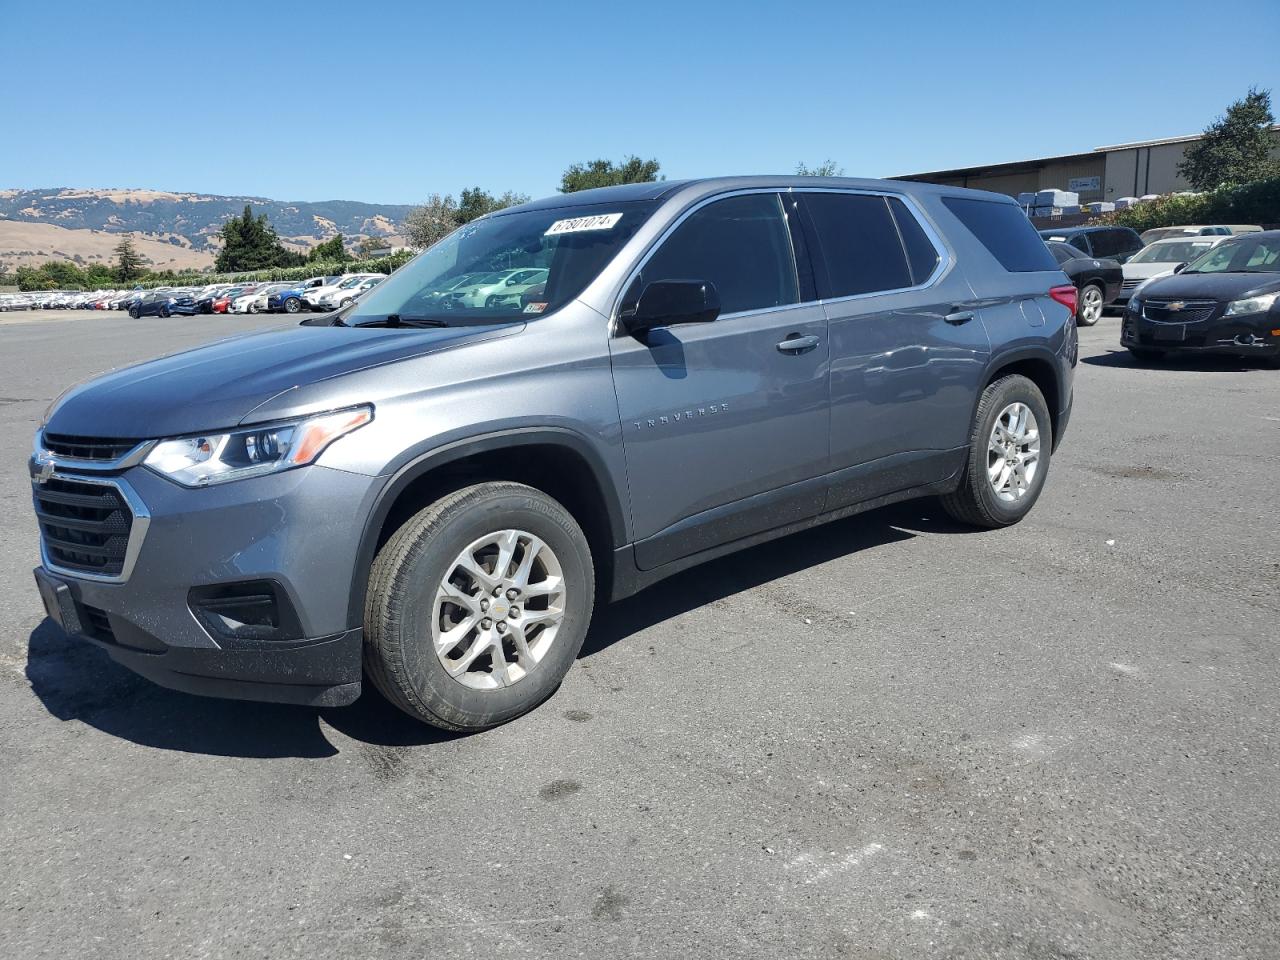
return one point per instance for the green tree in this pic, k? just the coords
(475, 203)
(373, 247)
(432, 221)
(605, 173)
(130, 264)
(250, 243)
(1235, 148)
(827, 168)
(332, 249)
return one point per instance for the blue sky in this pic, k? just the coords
(391, 101)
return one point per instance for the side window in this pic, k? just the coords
(1061, 252)
(741, 244)
(1005, 231)
(1087, 244)
(922, 255)
(1108, 243)
(858, 246)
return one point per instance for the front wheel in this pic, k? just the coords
(1090, 311)
(477, 606)
(1009, 452)
(164, 312)
(253, 308)
(133, 312)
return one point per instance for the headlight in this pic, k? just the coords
(1260, 304)
(205, 459)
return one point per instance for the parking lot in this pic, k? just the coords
(887, 737)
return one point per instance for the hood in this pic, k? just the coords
(1143, 271)
(1213, 286)
(215, 386)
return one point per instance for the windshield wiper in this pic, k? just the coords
(396, 320)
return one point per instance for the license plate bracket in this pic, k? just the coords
(1171, 331)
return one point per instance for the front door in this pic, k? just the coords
(725, 424)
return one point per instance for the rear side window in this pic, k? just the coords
(922, 255)
(1109, 243)
(741, 244)
(859, 250)
(1005, 231)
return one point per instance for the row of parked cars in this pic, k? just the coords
(316, 294)
(1108, 263)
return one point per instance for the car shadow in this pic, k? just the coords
(1207, 362)
(75, 680)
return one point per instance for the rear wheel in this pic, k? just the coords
(477, 606)
(1146, 356)
(1009, 452)
(164, 312)
(1091, 304)
(133, 312)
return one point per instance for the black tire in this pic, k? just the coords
(399, 657)
(345, 303)
(1142, 355)
(133, 312)
(164, 312)
(253, 308)
(292, 305)
(975, 501)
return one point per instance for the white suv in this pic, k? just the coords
(328, 297)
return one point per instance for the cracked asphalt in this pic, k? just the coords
(889, 737)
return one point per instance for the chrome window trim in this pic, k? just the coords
(137, 530)
(945, 258)
(130, 459)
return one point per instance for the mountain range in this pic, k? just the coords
(173, 230)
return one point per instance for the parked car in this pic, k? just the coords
(1160, 257)
(1191, 230)
(289, 300)
(347, 293)
(1097, 280)
(255, 300)
(1114, 243)
(314, 298)
(164, 303)
(699, 381)
(1224, 301)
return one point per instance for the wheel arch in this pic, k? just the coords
(561, 463)
(1037, 364)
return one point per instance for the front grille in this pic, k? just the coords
(1191, 311)
(87, 448)
(85, 526)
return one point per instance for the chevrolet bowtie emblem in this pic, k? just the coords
(1175, 306)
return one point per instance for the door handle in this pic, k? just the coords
(958, 317)
(795, 344)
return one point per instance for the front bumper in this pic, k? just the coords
(1248, 335)
(297, 530)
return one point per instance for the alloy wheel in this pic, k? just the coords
(1013, 452)
(498, 610)
(1090, 305)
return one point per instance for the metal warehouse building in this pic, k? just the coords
(1104, 173)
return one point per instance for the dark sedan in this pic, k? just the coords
(1225, 301)
(164, 304)
(1096, 280)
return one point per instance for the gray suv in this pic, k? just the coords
(434, 491)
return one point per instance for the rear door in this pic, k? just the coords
(725, 424)
(907, 349)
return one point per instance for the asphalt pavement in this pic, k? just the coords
(890, 737)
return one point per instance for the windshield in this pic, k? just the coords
(566, 246)
(1258, 254)
(1179, 251)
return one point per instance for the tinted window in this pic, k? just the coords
(740, 244)
(858, 246)
(1109, 243)
(1062, 252)
(1005, 231)
(922, 256)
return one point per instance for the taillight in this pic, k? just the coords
(1067, 295)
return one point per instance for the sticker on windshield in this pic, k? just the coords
(603, 221)
(534, 307)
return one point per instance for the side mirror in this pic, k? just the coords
(665, 303)
(1179, 268)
